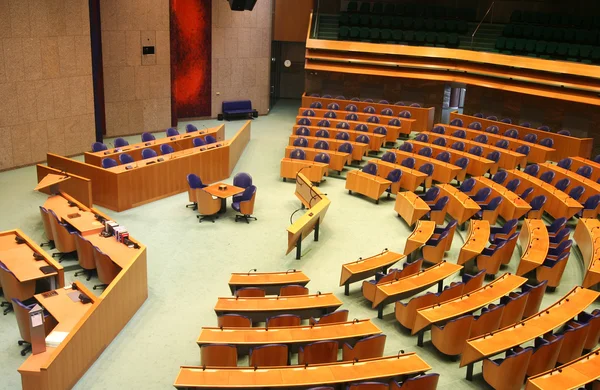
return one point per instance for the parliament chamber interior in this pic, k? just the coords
(324, 194)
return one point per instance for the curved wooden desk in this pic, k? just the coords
(535, 242)
(573, 375)
(178, 142)
(358, 149)
(443, 172)
(336, 162)
(460, 206)
(478, 166)
(365, 268)
(467, 303)
(565, 146)
(421, 234)
(512, 207)
(476, 240)
(423, 116)
(314, 375)
(270, 281)
(406, 287)
(314, 171)
(537, 152)
(393, 132)
(537, 325)
(508, 158)
(372, 186)
(578, 162)
(411, 178)
(410, 207)
(405, 123)
(591, 187)
(260, 308)
(376, 141)
(244, 338)
(558, 203)
(587, 236)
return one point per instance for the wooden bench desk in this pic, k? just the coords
(366, 184)
(81, 219)
(537, 325)
(475, 241)
(508, 158)
(314, 171)
(410, 207)
(271, 282)
(294, 336)
(443, 172)
(385, 293)
(420, 235)
(393, 132)
(467, 303)
(558, 204)
(478, 166)
(336, 162)
(573, 375)
(423, 116)
(376, 141)
(512, 207)
(364, 268)
(587, 237)
(591, 187)
(315, 375)
(537, 152)
(535, 242)
(178, 142)
(565, 146)
(19, 259)
(405, 123)
(411, 178)
(358, 149)
(578, 162)
(460, 206)
(259, 309)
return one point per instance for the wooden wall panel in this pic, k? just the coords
(291, 20)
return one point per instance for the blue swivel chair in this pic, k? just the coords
(98, 147)
(109, 163)
(148, 153)
(124, 158)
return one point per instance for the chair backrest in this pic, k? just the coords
(421, 137)
(322, 144)
(591, 202)
(107, 269)
(269, 355)
(493, 129)
(576, 192)
(538, 202)
(462, 162)
(481, 138)
(293, 289)
(513, 185)
(526, 193)
(233, 321)
(426, 151)
(189, 128)
(98, 147)
(109, 162)
(406, 147)
(85, 252)
(506, 120)
(147, 137)
(367, 348)
(351, 117)
(474, 126)
(125, 158)
(476, 150)
(439, 129)
(440, 204)
(440, 142)
(500, 177)
(373, 119)
(532, 170)
(426, 168)
(585, 171)
(431, 194)
(250, 292)
(370, 168)
(330, 115)
(494, 203)
(333, 106)
(369, 110)
(523, 149)
(361, 127)
(298, 154)
(511, 133)
(198, 142)
(389, 157)
(209, 139)
(171, 132)
(331, 318)
(502, 143)
(394, 122)
(304, 122)
(242, 180)
(545, 354)
(544, 128)
(308, 113)
(525, 124)
(547, 176)
(22, 315)
(564, 132)
(394, 175)
(148, 153)
(303, 131)
(300, 142)
(514, 308)
(562, 184)
(547, 142)
(316, 105)
(342, 135)
(166, 149)
(351, 107)
(492, 118)
(421, 382)
(318, 352)
(120, 142)
(456, 122)
(363, 139)
(342, 125)
(459, 134)
(218, 355)
(405, 114)
(467, 185)
(283, 320)
(380, 130)
(565, 163)
(444, 156)
(387, 111)
(482, 194)
(534, 300)
(324, 123)
(487, 321)
(473, 282)
(493, 155)
(532, 138)
(194, 181)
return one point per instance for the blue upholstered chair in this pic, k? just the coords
(351, 117)
(394, 176)
(346, 147)
(303, 131)
(330, 115)
(565, 163)
(245, 204)
(166, 149)
(493, 129)
(467, 185)
(198, 142)
(394, 122)
(514, 364)
(416, 105)
(458, 145)
(513, 185)
(560, 236)
(482, 195)
(576, 192)
(370, 168)
(512, 133)
(536, 204)
(125, 158)
(459, 134)
(408, 162)
(494, 156)
(389, 157)
(532, 170)
(351, 108)
(109, 163)
(525, 124)
(589, 207)
(322, 144)
(474, 126)
(544, 128)
(562, 184)
(426, 151)
(387, 112)
(322, 158)
(481, 138)
(148, 153)
(547, 142)
(523, 149)
(242, 180)
(373, 119)
(456, 122)
(506, 120)
(585, 171)
(361, 127)
(443, 156)
(532, 138)
(333, 106)
(547, 177)
(405, 114)
(298, 154)
(400, 103)
(369, 110)
(363, 139)
(147, 137)
(121, 142)
(492, 118)
(502, 143)
(431, 195)
(98, 147)
(439, 130)
(300, 142)
(316, 105)
(406, 147)
(343, 136)
(209, 139)
(564, 132)
(503, 232)
(478, 115)
(500, 177)
(194, 182)
(308, 113)
(440, 142)
(422, 137)
(322, 133)
(343, 125)
(304, 122)
(172, 132)
(476, 150)
(380, 130)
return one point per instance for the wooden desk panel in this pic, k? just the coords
(410, 207)
(358, 149)
(393, 132)
(376, 141)
(423, 116)
(467, 303)
(512, 207)
(535, 242)
(66, 312)
(366, 184)
(558, 203)
(282, 377)
(336, 162)
(443, 172)
(578, 162)
(565, 146)
(261, 308)
(405, 123)
(478, 166)
(313, 170)
(537, 153)
(508, 158)
(475, 241)
(270, 281)
(573, 375)
(365, 268)
(460, 206)
(535, 326)
(178, 142)
(420, 235)
(587, 237)
(411, 178)
(78, 187)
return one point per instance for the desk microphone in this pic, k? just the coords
(252, 270)
(293, 270)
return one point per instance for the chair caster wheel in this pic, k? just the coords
(20, 342)
(23, 353)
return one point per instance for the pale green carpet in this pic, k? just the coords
(189, 264)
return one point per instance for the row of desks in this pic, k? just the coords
(587, 236)
(376, 141)
(392, 132)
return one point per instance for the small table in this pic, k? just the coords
(230, 190)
